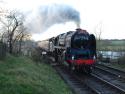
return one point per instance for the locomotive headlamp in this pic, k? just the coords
(73, 57)
(94, 57)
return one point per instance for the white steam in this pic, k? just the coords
(49, 15)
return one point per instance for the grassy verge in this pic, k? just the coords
(20, 75)
(115, 65)
(118, 66)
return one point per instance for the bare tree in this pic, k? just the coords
(13, 29)
(98, 30)
(20, 37)
(98, 33)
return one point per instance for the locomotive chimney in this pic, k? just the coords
(78, 24)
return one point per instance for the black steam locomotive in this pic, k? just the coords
(77, 49)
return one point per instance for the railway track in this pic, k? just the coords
(102, 85)
(113, 71)
(87, 84)
(77, 86)
(111, 77)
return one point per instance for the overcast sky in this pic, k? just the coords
(109, 15)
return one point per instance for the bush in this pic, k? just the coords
(37, 54)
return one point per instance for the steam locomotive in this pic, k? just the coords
(77, 49)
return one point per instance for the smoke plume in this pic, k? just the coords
(49, 15)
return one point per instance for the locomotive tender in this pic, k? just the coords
(75, 48)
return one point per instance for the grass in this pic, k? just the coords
(118, 66)
(20, 75)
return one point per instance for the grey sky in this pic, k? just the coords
(107, 14)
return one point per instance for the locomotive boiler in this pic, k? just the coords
(77, 49)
